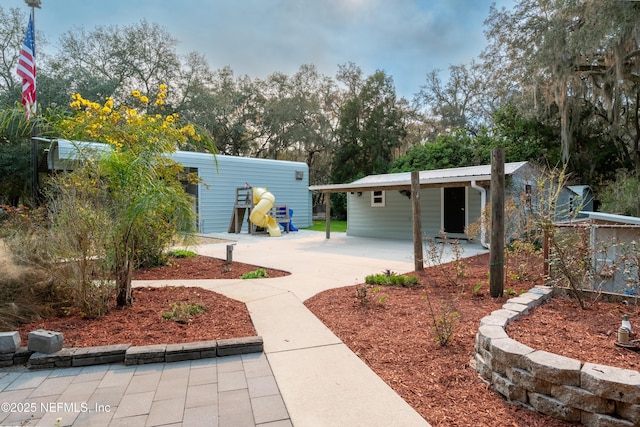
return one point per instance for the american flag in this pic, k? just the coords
(27, 70)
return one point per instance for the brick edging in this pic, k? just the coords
(132, 355)
(595, 395)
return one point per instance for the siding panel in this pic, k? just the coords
(394, 219)
(223, 174)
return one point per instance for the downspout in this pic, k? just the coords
(483, 205)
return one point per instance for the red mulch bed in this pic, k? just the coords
(395, 338)
(201, 267)
(142, 323)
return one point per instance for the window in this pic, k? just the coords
(377, 198)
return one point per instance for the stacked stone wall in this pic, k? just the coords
(565, 388)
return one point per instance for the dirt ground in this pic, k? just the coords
(392, 333)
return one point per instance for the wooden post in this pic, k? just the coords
(327, 214)
(545, 254)
(496, 250)
(418, 257)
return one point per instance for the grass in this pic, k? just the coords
(337, 226)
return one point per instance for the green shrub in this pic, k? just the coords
(182, 253)
(183, 312)
(391, 279)
(256, 274)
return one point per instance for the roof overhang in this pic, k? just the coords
(453, 177)
(481, 180)
(612, 218)
(67, 155)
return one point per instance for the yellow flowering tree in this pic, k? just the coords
(143, 198)
(126, 128)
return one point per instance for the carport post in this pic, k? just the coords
(496, 250)
(327, 214)
(418, 257)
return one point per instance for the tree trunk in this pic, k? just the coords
(123, 282)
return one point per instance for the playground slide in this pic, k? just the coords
(263, 201)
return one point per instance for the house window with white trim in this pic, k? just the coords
(377, 198)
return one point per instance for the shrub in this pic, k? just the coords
(182, 253)
(444, 322)
(256, 274)
(365, 293)
(391, 279)
(183, 312)
(24, 292)
(435, 256)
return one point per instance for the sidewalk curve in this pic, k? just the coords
(322, 382)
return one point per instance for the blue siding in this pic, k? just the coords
(221, 176)
(431, 211)
(474, 208)
(394, 219)
(391, 221)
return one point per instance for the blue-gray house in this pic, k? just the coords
(450, 199)
(215, 195)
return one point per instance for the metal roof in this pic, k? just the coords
(430, 178)
(621, 219)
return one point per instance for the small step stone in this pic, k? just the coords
(42, 341)
(9, 342)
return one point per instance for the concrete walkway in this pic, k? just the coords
(322, 382)
(306, 376)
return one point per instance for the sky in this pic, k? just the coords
(405, 38)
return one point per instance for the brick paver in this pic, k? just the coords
(225, 391)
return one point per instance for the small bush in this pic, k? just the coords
(436, 254)
(391, 279)
(444, 323)
(182, 253)
(362, 293)
(256, 274)
(183, 312)
(366, 293)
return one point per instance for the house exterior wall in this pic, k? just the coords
(573, 199)
(474, 208)
(391, 221)
(394, 220)
(221, 175)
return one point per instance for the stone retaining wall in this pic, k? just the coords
(595, 395)
(132, 355)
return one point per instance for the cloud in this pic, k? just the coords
(406, 38)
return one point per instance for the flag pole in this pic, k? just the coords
(35, 190)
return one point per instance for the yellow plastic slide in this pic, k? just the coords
(263, 201)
